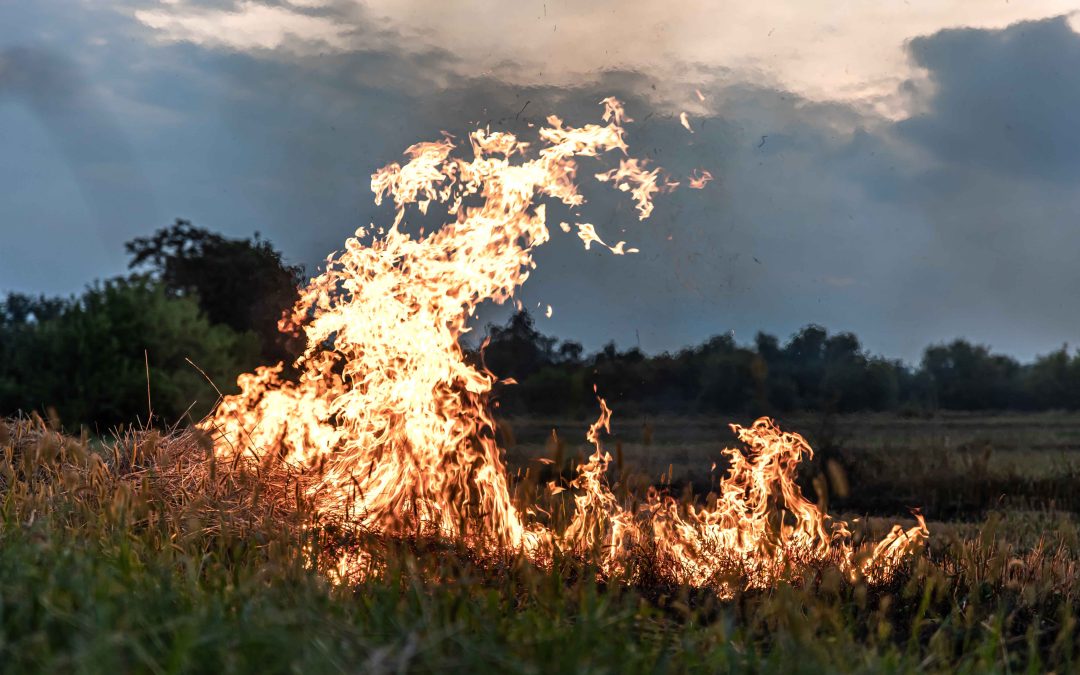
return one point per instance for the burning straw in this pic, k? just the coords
(386, 433)
(389, 425)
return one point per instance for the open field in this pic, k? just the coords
(146, 556)
(952, 466)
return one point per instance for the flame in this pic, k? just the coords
(698, 179)
(684, 120)
(391, 417)
(587, 234)
(632, 177)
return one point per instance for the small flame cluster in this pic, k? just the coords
(391, 416)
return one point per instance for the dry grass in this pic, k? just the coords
(144, 554)
(145, 481)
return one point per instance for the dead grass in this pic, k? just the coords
(145, 554)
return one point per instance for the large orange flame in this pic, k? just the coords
(392, 417)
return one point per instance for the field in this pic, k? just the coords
(145, 555)
(954, 467)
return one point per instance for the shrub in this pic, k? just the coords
(90, 358)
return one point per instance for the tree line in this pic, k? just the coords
(812, 371)
(199, 308)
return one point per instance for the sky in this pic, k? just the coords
(905, 170)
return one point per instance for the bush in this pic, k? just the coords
(88, 358)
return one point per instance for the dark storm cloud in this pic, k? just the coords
(1003, 101)
(996, 190)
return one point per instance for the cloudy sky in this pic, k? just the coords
(906, 170)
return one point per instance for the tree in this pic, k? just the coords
(1053, 381)
(89, 360)
(725, 376)
(244, 284)
(517, 349)
(969, 377)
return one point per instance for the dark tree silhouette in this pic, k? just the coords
(518, 350)
(970, 377)
(242, 283)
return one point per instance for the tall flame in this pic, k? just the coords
(391, 416)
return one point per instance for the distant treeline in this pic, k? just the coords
(200, 308)
(813, 371)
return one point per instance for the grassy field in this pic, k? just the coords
(951, 466)
(144, 555)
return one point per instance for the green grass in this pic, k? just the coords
(146, 557)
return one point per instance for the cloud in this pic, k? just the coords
(822, 210)
(1002, 101)
(806, 47)
(995, 184)
(810, 195)
(245, 25)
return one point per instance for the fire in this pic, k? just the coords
(684, 120)
(391, 417)
(698, 179)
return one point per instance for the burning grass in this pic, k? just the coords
(175, 489)
(393, 421)
(147, 554)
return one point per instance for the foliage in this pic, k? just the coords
(969, 377)
(240, 283)
(90, 358)
(812, 371)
